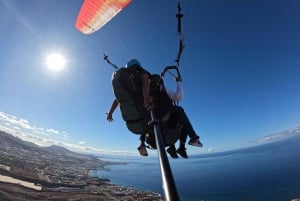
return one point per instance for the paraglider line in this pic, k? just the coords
(105, 57)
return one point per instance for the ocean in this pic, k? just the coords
(269, 172)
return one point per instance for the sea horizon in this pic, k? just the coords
(268, 172)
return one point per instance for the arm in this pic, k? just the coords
(148, 100)
(178, 95)
(113, 107)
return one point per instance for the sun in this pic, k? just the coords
(55, 61)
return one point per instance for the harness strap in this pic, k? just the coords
(137, 120)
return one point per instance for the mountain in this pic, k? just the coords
(57, 149)
(14, 146)
(7, 139)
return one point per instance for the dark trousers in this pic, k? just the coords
(188, 129)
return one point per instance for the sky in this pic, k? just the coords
(240, 69)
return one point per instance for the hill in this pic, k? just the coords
(27, 159)
(15, 145)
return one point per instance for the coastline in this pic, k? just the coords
(17, 187)
(30, 172)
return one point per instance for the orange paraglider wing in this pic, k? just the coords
(96, 13)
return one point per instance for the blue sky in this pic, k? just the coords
(240, 69)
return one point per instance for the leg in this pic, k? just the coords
(183, 137)
(172, 151)
(142, 148)
(142, 139)
(139, 128)
(187, 126)
(182, 150)
(182, 117)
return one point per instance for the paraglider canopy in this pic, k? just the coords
(94, 14)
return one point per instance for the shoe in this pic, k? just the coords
(182, 152)
(142, 150)
(195, 142)
(172, 151)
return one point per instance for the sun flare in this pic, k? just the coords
(55, 62)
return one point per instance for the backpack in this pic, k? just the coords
(127, 88)
(128, 92)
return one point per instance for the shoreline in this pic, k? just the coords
(94, 189)
(31, 172)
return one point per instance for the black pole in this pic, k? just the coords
(169, 186)
(179, 15)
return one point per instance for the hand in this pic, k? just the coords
(178, 79)
(109, 117)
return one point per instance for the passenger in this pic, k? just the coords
(181, 117)
(140, 79)
(139, 85)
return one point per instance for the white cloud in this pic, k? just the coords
(280, 135)
(52, 131)
(13, 122)
(23, 129)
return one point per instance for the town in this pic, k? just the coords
(56, 173)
